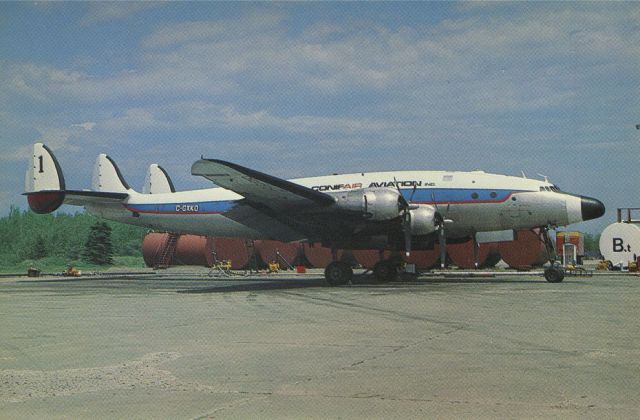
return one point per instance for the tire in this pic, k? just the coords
(554, 274)
(385, 271)
(338, 273)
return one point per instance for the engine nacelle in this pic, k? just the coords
(423, 220)
(376, 204)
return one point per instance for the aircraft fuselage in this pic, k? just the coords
(472, 201)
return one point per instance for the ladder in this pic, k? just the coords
(168, 251)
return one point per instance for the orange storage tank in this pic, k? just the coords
(234, 249)
(462, 255)
(423, 260)
(575, 238)
(189, 250)
(368, 258)
(526, 251)
(317, 255)
(194, 250)
(269, 250)
(153, 245)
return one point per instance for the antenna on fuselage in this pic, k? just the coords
(523, 175)
(546, 178)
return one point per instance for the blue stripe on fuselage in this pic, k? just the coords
(203, 207)
(457, 195)
(421, 195)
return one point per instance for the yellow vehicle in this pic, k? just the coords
(274, 267)
(71, 271)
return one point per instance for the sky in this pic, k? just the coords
(304, 89)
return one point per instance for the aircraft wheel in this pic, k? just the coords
(385, 271)
(554, 274)
(338, 273)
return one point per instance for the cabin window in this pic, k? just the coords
(493, 194)
(474, 195)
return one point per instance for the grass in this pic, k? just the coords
(59, 264)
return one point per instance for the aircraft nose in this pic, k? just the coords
(591, 208)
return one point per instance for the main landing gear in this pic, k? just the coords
(386, 270)
(338, 273)
(554, 273)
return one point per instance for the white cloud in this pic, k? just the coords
(134, 119)
(56, 138)
(256, 54)
(105, 11)
(253, 24)
(87, 126)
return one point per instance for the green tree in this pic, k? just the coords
(98, 248)
(592, 243)
(39, 248)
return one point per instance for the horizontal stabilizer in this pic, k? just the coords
(157, 181)
(47, 201)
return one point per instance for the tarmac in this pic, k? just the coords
(175, 344)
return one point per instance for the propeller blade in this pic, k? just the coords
(401, 198)
(443, 246)
(406, 227)
(415, 186)
(406, 218)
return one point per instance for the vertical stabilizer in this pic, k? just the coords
(43, 173)
(107, 176)
(157, 181)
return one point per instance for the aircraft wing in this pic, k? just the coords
(260, 188)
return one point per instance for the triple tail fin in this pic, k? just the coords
(44, 173)
(44, 183)
(107, 176)
(157, 181)
(46, 191)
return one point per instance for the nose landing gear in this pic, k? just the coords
(554, 273)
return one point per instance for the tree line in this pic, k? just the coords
(25, 235)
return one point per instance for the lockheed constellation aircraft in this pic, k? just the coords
(400, 211)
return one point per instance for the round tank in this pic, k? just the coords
(189, 250)
(269, 250)
(575, 238)
(152, 246)
(368, 258)
(620, 243)
(194, 250)
(424, 260)
(233, 249)
(526, 251)
(462, 255)
(317, 255)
